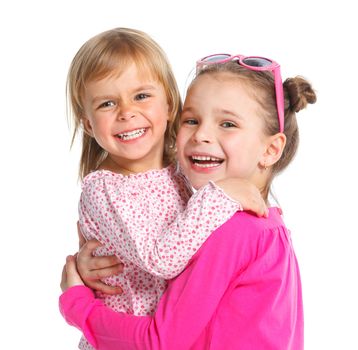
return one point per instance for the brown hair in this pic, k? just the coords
(108, 53)
(298, 93)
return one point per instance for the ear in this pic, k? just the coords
(274, 149)
(87, 127)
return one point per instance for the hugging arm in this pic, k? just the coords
(183, 312)
(163, 252)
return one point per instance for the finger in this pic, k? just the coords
(67, 274)
(106, 272)
(255, 207)
(262, 210)
(81, 238)
(103, 262)
(266, 212)
(73, 278)
(70, 265)
(88, 248)
(63, 283)
(86, 263)
(105, 288)
(258, 208)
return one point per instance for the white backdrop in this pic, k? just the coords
(39, 192)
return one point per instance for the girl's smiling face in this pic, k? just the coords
(221, 131)
(128, 115)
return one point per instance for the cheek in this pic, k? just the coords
(180, 145)
(181, 140)
(159, 117)
(179, 135)
(99, 127)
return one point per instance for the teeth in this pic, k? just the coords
(206, 158)
(206, 165)
(132, 134)
(206, 161)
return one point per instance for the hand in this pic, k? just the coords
(70, 276)
(94, 268)
(247, 194)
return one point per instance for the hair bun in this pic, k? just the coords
(300, 93)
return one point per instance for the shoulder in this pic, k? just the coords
(247, 231)
(248, 221)
(99, 176)
(243, 239)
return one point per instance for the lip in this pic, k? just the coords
(199, 169)
(131, 135)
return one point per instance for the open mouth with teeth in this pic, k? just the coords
(131, 135)
(205, 161)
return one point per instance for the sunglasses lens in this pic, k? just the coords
(215, 58)
(257, 62)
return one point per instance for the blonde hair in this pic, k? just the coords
(298, 93)
(112, 52)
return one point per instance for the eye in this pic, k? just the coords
(190, 121)
(107, 104)
(228, 125)
(141, 96)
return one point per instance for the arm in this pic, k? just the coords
(184, 311)
(135, 230)
(94, 268)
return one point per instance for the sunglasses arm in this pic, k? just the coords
(279, 98)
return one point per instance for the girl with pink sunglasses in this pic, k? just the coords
(242, 289)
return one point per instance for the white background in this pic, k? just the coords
(38, 173)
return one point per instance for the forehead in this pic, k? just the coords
(219, 88)
(212, 96)
(141, 72)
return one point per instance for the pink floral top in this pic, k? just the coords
(147, 221)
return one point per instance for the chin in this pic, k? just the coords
(198, 183)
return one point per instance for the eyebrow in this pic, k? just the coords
(226, 112)
(109, 97)
(145, 87)
(188, 109)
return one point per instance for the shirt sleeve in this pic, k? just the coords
(161, 250)
(184, 310)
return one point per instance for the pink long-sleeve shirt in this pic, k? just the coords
(241, 290)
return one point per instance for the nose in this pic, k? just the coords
(126, 112)
(202, 134)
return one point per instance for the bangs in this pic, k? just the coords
(113, 62)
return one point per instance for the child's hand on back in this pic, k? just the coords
(247, 194)
(94, 268)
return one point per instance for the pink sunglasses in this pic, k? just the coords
(254, 63)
